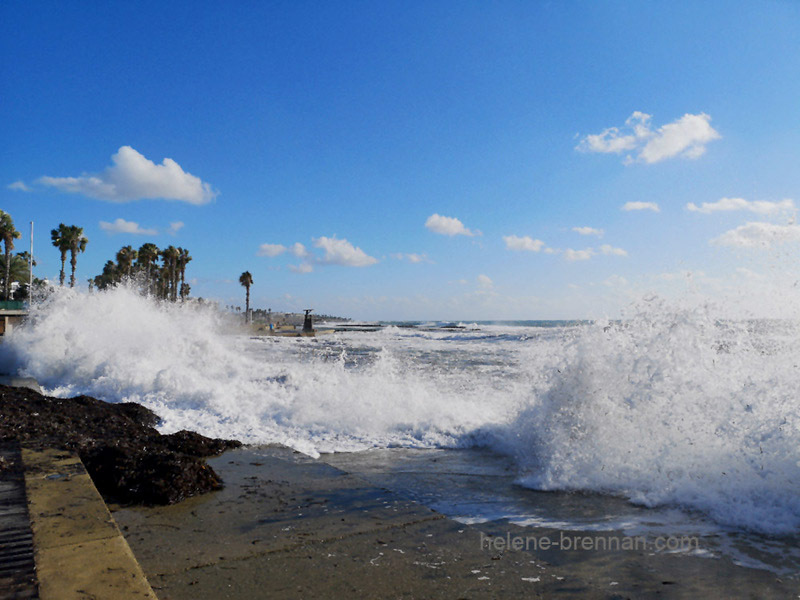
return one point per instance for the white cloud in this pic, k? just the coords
(588, 231)
(574, 255)
(301, 268)
(342, 252)
(123, 226)
(610, 250)
(641, 206)
(299, 250)
(175, 227)
(484, 282)
(134, 177)
(760, 207)
(271, 250)
(686, 137)
(447, 226)
(519, 244)
(412, 257)
(610, 140)
(758, 235)
(18, 186)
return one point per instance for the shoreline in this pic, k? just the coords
(298, 527)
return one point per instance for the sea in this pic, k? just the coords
(670, 421)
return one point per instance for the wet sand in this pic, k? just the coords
(287, 526)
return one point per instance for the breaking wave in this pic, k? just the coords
(668, 406)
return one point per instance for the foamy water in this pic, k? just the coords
(669, 407)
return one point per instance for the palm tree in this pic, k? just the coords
(170, 256)
(163, 282)
(246, 280)
(76, 242)
(125, 258)
(60, 238)
(145, 260)
(8, 233)
(183, 260)
(17, 271)
(109, 277)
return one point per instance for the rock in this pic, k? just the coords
(128, 460)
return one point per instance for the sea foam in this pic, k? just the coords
(670, 406)
(178, 360)
(673, 406)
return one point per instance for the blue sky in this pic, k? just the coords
(348, 126)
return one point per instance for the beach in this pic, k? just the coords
(287, 526)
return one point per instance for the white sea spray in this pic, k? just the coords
(119, 346)
(673, 406)
(670, 406)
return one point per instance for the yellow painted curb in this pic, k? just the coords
(80, 553)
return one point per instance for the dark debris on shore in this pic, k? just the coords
(128, 460)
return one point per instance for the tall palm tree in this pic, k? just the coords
(146, 259)
(77, 243)
(60, 239)
(8, 233)
(183, 260)
(125, 258)
(246, 280)
(162, 282)
(170, 256)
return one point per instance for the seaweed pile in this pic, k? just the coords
(128, 460)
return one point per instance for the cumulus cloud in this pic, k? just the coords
(575, 255)
(628, 206)
(484, 282)
(760, 207)
(342, 252)
(134, 177)
(525, 243)
(447, 226)
(18, 186)
(302, 268)
(611, 251)
(123, 226)
(336, 252)
(175, 227)
(271, 250)
(758, 235)
(685, 137)
(299, 250)
(588, 231)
